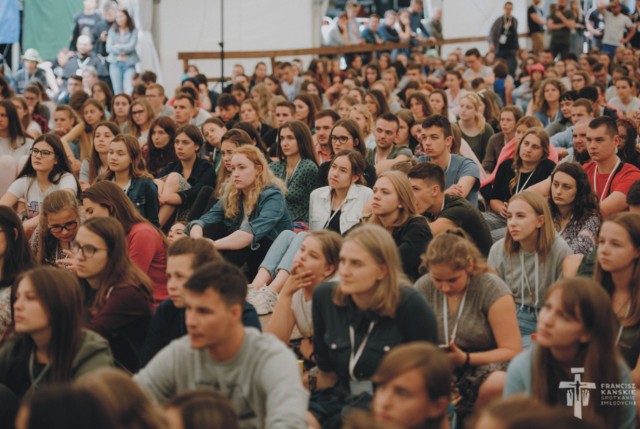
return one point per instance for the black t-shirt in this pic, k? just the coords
(501, 189)
(534, 27)
(464, 214)
(412, 239)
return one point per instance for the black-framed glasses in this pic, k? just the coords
(69, 226)
(44, 153)
(341, 139)
(87, 250)
(137, 112)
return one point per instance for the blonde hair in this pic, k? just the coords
(479, 105)
(454, 249)
(378, 243)
(406, 199)
(547, 233)
(233, 199)
(364, 111)
(264, 96)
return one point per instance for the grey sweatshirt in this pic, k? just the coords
(262, 381)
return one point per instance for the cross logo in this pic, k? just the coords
(577, 392)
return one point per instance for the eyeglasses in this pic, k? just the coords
(69, 226)
(137, 112)
(341, 139)
(43, 153)
(87, 250)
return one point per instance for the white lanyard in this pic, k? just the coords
(354, 357)
(38, 379)
(326, 224)
(288, 179)
(448, 164)
(524, 185)
(525, 279)
(621, 326)
(445, 318)
(609, 179)
(565, 227)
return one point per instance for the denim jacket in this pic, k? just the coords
(269, 218)
(143, 193)
(122, 44)
(351, 211)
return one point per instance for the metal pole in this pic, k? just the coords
(221, 44)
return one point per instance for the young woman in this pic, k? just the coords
(31, 127)
(250, 112)
(121, 47)
(376, 103)
(344, 105)
(296, 167)
(547, 105)
(101, 92)
(261, 95)
(406, 121)
(337, 207)
(455, 90)
(361, 115)
(413, 387)
(92, 114)
(95, 168)
(68, 126)
(529, 166)
(145, 243)
(617, 270)
(628, 148)
(475, 130)
(181, 181)
(305, 110)
(365, 314)
(59, 222)
(14, 144)
(574, 207)
(476, 317)
(393, 207)
(576, 329)
(47, 171)
(372, 74)
(529, 258)
(250, 214)
(419, 105)
(127, 170)
(51, 345)
(346, 135)
(160, 151)
(120, 105)
(273, 85)
(15, 258)
(121, 309)
(141, 116)
(315, 261)
(259, 73)
(184, 256)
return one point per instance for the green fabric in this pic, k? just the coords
(48, 25)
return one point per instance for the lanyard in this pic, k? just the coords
(354, 357)
(326, 224)
(565, 227)
(524, 185)
(621, 326)
(525, 279)
(609, 179)
(288, 179)
(38, 379)
(445, 318)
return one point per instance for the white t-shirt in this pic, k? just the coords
(17, 153)
(302, 312)
(614, 27)
(27, 189)
(634, 104)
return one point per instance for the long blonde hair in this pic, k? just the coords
(547, 233)
(233, 199)
(454, 249)
(378, 243)
(406, 199)
(478, 118)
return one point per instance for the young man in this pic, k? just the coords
(560, 25)
(446, 211)
(168, 324)
(289, 82)
(535, 19)
(323, 124)
(578, 152)
(462, 175)
(387, 153)
(256, 372)
(155, 96)
(616, 24)
(29, 71)
(609, 177)
(581, 108)
(284, 112)
(84, 57)
(370, 33)
(509, 117)
(183, 109)
(564, 122)
(228, 109)
(503, 37)
(473, 60)
(626, 101)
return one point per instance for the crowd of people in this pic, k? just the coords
(401, 243)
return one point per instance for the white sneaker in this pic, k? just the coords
(263, 299)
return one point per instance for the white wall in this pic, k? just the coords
(194, 25)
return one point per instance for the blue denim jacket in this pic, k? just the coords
(143, 193)
(122, 44)
(269, 218)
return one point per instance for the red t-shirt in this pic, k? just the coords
(622, 179)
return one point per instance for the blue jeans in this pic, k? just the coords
(527, 322)
(282, 251)
(608, 49)
(121, 76)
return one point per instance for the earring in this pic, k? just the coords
(400, 206)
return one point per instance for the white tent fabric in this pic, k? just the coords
(142, 13)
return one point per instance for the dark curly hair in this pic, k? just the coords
(586, 202)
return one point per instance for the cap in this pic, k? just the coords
(536, 67)
(31, 55)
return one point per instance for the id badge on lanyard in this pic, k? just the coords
(358, 386)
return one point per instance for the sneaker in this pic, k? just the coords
(263, 299)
